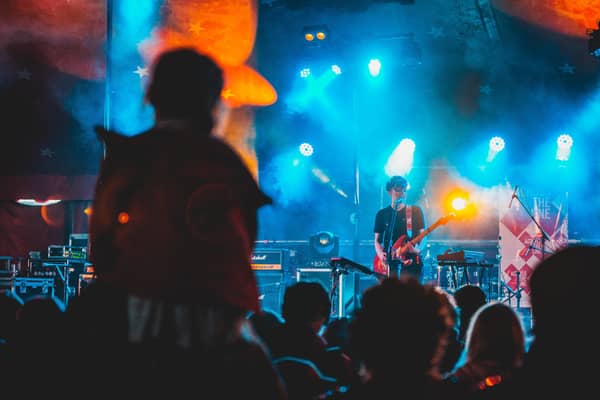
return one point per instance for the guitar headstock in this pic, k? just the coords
(447, 218)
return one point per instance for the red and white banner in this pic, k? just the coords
(522, 243)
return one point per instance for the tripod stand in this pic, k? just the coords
(516, 293)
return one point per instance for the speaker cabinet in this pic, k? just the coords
(341, 288)
(270, 289)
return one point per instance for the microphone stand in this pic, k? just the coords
(544, 237)
(388, 250)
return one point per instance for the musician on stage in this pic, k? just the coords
(395, 226)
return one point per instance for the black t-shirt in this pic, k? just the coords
(383, 219)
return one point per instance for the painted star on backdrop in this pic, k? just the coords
(141, 71)
(24, 74)
(567, 68)
(47, 152)
(485, 89)
(196, 28)
(227, 93)
(437, 32)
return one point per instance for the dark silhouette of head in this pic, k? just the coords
(306, 303)
(401, 328)
(185, 85)
(563, 295)
(496, 334)
(469, 298)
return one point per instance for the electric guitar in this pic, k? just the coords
(401, 245)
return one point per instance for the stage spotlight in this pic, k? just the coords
(401, 160)
(312, 32)
(497, 144)
(374, 67)
(305, 73)
(336, 69)
(323, 245)
(306, 149)
(459, 203)
(564, 141)
(563, 147)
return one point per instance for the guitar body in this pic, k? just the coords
(400, 253)
(399, 256)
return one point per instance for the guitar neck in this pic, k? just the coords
(426, 232)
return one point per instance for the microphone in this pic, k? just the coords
(513, 196)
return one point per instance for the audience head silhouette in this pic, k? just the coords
(496, 335)
(306, 303)
(184, 85)
(400, 328)
(469, 298)
(563, 295)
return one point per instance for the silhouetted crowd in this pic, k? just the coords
(158, 323)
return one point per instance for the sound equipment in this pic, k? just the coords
(461, 257)
(26, 288)
(268, 259)
(466, 267)
(271, 287)
(339, 283)
(71, 252)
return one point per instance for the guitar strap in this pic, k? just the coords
(408, 221)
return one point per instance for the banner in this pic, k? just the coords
(532, 227)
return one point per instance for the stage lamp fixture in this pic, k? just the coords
(306, 149)
(563, 147)
(374, 67)
(594, 41)
(315, 33)
(304, 73)
(497, 144)
(324, 245)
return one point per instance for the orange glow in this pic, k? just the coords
(309, 37)
(123, 217)
(224, 30)
(458, 201)
(88, 211)
(321, 35)
(492, 380)
(570, 17)
(243, 85)
(53, 215)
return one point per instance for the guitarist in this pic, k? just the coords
(396, 224)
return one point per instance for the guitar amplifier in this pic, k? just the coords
(268, 259)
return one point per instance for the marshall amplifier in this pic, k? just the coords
(270, 269)
(267, 260)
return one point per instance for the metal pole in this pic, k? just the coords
(108, 67)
